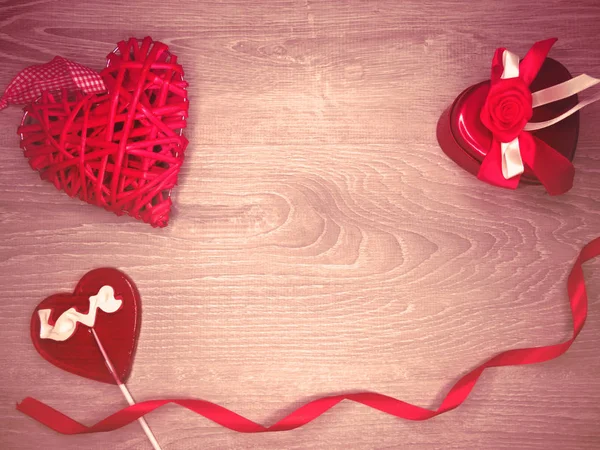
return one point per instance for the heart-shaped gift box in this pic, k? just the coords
(466, 140)
(521, 125)
(120, 149)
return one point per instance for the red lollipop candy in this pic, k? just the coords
(92, 332)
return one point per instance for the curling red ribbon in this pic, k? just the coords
(552, 169)
(310, 411)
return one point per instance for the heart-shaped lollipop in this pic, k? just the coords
(92, 332)
(106, 301)
(121, 149)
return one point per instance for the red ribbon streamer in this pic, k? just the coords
(310, 411)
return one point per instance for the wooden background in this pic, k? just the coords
(321, 241)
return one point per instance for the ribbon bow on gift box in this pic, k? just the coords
(507, 111)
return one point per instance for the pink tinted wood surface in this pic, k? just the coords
(321, 241)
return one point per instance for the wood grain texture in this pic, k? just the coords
(321, 241)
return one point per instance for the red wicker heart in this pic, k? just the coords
(123, 149)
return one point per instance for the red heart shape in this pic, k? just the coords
(466, 140)
(117, 331)
(123, 149)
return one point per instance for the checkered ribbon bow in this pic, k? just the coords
(60, 73)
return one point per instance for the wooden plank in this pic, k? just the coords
(321, 241)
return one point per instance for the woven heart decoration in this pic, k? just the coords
(121, 148)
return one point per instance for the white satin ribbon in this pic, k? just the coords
(512, 163)
(560, 92)
(563, 90)
(510, 61)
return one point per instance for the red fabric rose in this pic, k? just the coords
(507, 108)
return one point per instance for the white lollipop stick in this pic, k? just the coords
(125, 392)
